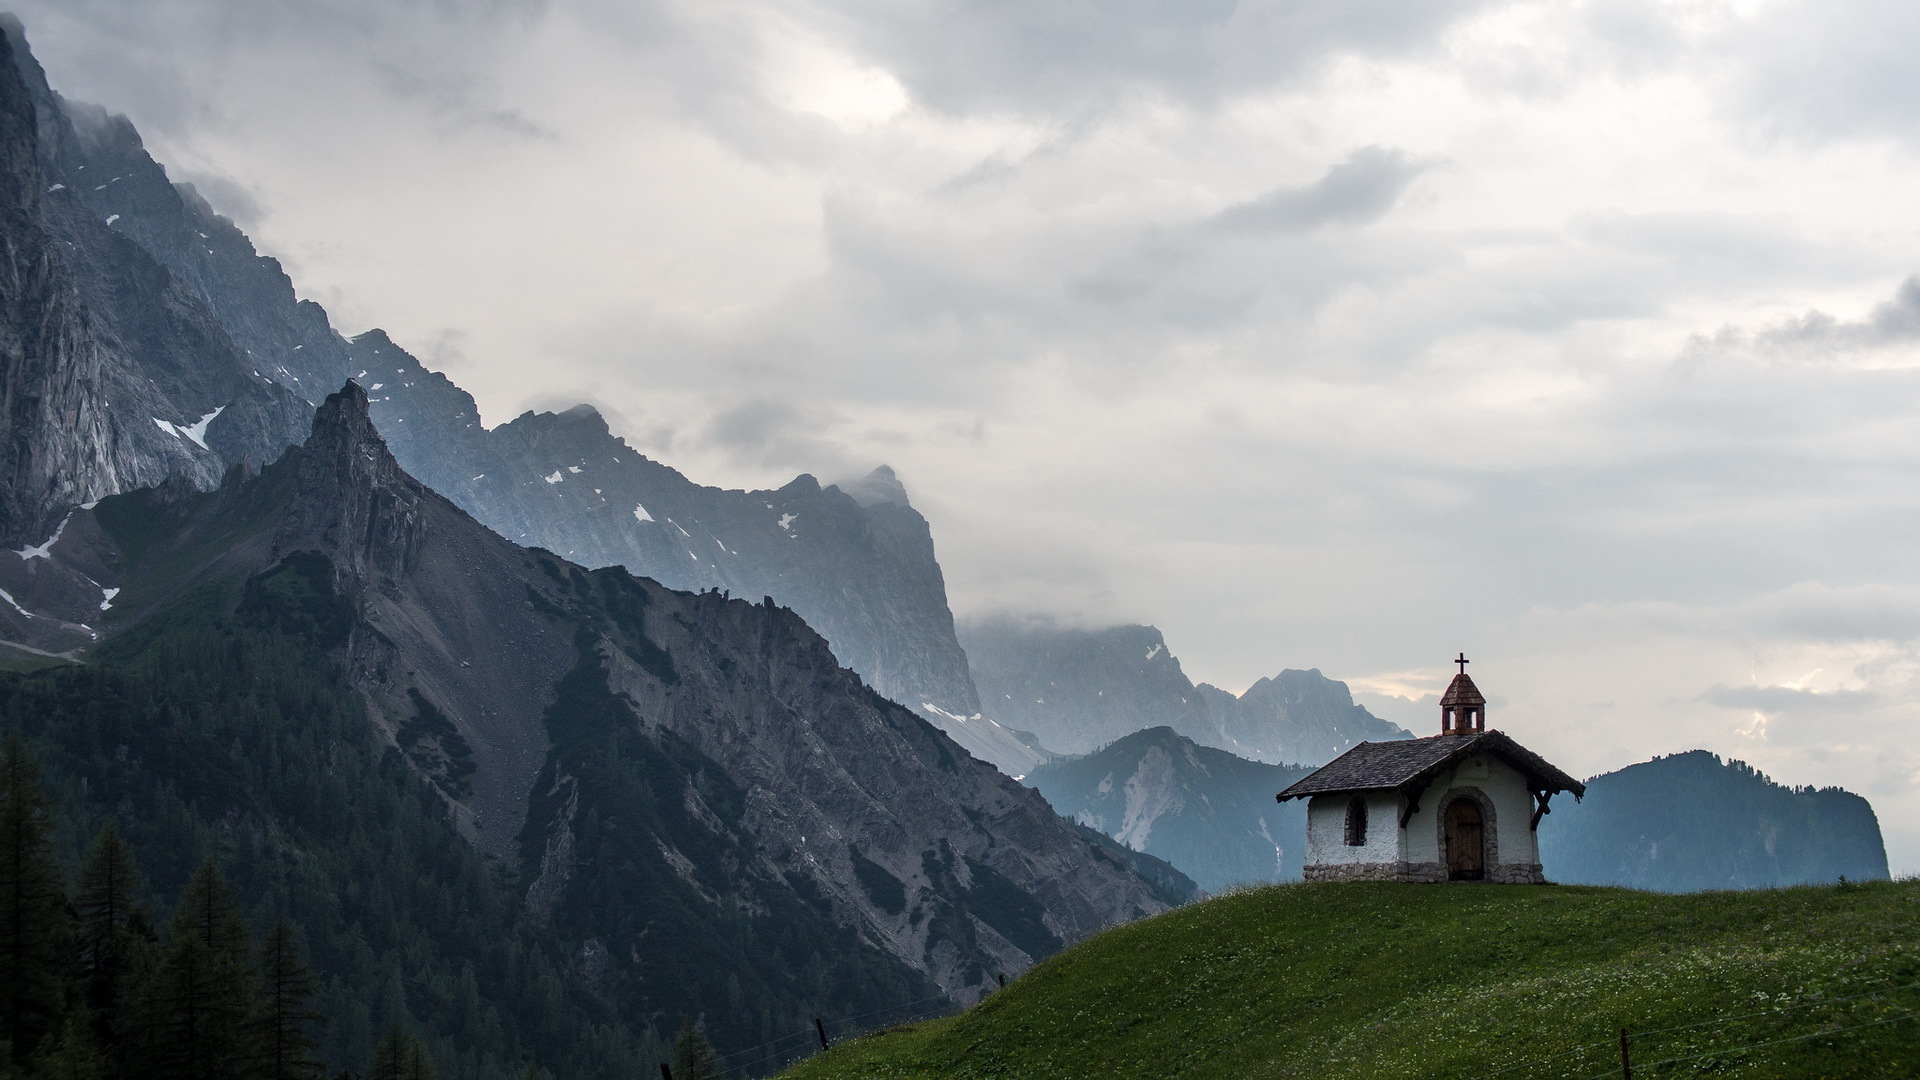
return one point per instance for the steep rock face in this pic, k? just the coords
(56, 443)
(116, 375)
(1077, 690)
(864, 575)
(1209, 813)
(861, 570)
(541, 697)
(1689, 822)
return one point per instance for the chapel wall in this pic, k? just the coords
(1327, 830)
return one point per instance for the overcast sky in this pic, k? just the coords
(1342, 334)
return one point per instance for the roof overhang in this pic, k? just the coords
(1541, 775)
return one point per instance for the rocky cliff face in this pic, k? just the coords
(115, 374)
(590, 726)
(861, 570)
(1207, 812)
(1078, 690)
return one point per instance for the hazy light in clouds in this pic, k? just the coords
(1581, 336)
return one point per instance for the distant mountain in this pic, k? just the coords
(1675, 824)
(1691, 821)
(1205, 811)
(1077, 690)
(136, 283)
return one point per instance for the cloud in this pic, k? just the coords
(1789, 700)
(1168, 312)
(1894, 322)
(1355, 192)
(1068, 57)
(1819, 71)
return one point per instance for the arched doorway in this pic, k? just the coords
(1466, 837)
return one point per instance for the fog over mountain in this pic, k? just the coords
(1577, 337)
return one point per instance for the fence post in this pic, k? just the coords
(665, 1073)
(1626, 1057)
(820, 1030)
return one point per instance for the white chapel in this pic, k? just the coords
(1463, 805)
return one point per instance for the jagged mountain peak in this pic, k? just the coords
(1080, 689)
(582, 425)
(878, 486)
(865, 577)
(353, 500)
(804, 484)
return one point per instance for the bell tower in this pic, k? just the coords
(1463, 709)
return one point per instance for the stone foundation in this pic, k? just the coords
(1517, 874)
(1424, 872)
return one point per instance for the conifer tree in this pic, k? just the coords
(115, 937)
(693, 1057)
(400, 1057)
(202, 1022)
(35, 932)
(72, 1054)
(286, 1013)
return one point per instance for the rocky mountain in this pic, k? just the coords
(648, 761)
(1205, 811)
(1077, 690)
(115, 375)
(191, 326)
(1690, 822)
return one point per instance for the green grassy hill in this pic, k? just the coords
(1463, 981)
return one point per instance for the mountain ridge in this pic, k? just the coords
(863, 573)
(457, 628)
(1078, 690)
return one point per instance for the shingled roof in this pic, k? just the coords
(1461, 691)
(1406, 763)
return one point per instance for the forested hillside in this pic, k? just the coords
(1692, 821)
(528, 810)
(224, 733)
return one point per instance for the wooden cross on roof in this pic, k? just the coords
(1463, 662)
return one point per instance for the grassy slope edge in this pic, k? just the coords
(1456, 981)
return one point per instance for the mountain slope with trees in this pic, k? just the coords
(1691, 821)
(688, 792)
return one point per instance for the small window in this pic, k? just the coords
(1357, 822)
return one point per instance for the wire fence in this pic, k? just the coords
(1639, 1053)
(771, 1056)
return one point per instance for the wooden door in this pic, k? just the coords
(1466, 841)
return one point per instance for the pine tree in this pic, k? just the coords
(72, 1054)
(286, 1046)
(35, 929)
(202, 1021)
(115, 938)
(400, 1057)
(693, 1058)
